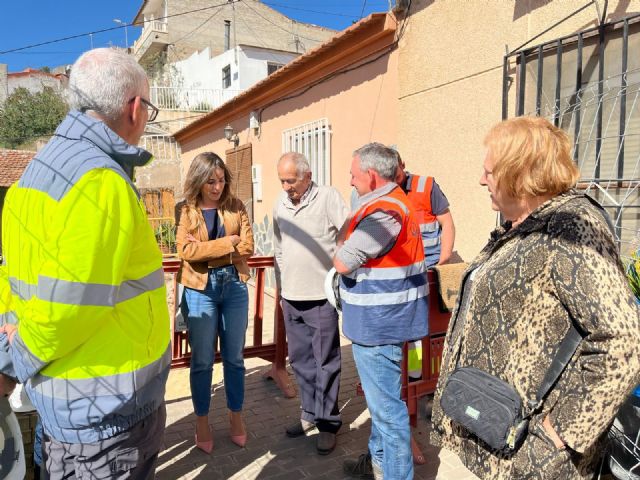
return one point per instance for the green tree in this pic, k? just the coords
(26, 116)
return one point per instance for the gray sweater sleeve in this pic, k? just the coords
(374, 236)
(6, 364)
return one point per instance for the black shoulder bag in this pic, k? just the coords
(491, 409)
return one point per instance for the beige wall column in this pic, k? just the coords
(450, 89)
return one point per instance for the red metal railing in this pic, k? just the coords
(432, 346)
(274, 352)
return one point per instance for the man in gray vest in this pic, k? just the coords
(306, 221)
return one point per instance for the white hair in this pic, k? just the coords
(300, 161)
(105, 80)
(382, 159)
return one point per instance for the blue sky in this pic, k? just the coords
(28, 22)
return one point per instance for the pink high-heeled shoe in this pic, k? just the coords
(240, 440)
(206, 447)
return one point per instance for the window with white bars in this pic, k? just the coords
(313, 140)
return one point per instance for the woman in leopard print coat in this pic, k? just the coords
(553, 261)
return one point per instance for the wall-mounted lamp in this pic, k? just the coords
(232, 137)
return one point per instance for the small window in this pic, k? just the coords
(272, 67)
(226, 76)
(313, 140)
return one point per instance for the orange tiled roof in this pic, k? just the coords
(12, 164)
(28, 72)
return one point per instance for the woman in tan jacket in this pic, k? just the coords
(214, 241)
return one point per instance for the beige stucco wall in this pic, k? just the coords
(361, 107)
(450, 90)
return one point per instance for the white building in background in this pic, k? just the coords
(202, 83)
(32, 79)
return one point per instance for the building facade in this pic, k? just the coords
(452, 64)
(218, 27)
(325, 104)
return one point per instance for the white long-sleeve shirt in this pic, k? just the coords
(305, 241)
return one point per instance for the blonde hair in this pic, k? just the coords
(201, 168)
(531, 158)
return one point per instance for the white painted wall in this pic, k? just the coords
(248, 67)
(253, 63)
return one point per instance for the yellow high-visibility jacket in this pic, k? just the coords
(87, 285)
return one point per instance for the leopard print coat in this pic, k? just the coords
(561, 263)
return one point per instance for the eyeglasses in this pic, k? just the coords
(151, 108)
(213, 181)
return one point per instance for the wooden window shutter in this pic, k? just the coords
(239, 162)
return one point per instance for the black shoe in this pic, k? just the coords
(301, 427)
(326, 443)
(360, 468)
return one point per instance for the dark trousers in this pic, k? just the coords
(314, 355)
(129, 455)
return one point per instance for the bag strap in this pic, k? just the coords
(567, 348)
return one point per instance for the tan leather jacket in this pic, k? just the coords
(197, 257)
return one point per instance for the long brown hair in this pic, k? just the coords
(200, 170)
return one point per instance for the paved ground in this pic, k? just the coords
(269, 453)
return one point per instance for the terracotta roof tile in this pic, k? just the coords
(12, 164)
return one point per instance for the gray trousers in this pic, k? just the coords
(129, 455)
(314, 355)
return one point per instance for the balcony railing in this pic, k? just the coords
(150, 27)
(190, 99)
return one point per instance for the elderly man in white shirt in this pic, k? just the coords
(306, 222)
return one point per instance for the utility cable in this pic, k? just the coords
(197, 28)
(384, 52)
(4, 52)
(276, 25)
(364, 4)
(310, 11)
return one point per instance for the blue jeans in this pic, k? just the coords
(390, 441)
(220, 310)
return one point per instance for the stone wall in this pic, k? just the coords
(252, 23)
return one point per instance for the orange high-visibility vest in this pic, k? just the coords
(385, 300)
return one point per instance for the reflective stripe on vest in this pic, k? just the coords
(69, 406)
(386, 273)
(93, 294)
(419, 193)
(383, 297)
(386, 198)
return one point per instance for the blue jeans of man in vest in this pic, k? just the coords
(379, 368)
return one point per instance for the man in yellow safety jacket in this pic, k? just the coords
(87, 288)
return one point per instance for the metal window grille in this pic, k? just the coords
(313, 140)
(589, 85)
(161, 146)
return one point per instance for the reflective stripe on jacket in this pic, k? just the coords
(419, 192)
(87, 285)
(385, 300)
